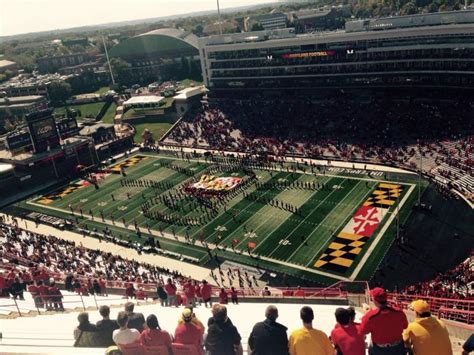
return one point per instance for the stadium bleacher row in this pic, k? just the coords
(442, 152)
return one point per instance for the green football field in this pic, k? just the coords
(323, 225)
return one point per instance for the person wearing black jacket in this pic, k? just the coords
(269, 337)
(223, 337)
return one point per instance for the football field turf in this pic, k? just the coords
(322, 225)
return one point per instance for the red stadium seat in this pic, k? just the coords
(184, 349)
(131, 349)
(155, 350)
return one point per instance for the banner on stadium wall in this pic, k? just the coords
(214, 183)
(308, 54)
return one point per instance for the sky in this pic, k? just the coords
(23, 16)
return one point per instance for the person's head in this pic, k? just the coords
(271, 313)
(129, 306)
(152, 322)
(104, 311)
(83, 318)
(187, 315)
(214, 308)
(352, 313)
(421, 308)
(204, 282)
(380, 297)
(307, 315)
(122, 319)
(342, 316)
(220, 313)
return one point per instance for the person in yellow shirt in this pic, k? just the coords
(426, 335)
(307, 340)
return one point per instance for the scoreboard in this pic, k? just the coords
(43, 130)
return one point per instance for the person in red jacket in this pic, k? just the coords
(56, 297)
(206, 293)
(346, 336)
(385, 324)
(140, 295)
(43, 293)
(190, 294)
(299, 292)
(170, 289)
(3, 286)
(223, 296)
(187, 332)
(197, 291)
(33, 290)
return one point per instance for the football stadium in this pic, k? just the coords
(323, 178)
(299, 217)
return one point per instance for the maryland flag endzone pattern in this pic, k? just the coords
(350, 241)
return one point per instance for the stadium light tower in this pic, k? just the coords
(108, 60)
(220, 20)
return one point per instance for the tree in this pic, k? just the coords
(59, 92)
(198, 30)
(121, 71)
(256, 27)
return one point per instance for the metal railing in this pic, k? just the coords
(461, 310)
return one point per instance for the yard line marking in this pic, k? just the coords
(321, 224)
(314, 209)
(279, 224)
(378, 238)
(339, 226)
(230, 220)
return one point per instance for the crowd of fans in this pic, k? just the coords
(456, 283)
(388, 326)
(83, 270)
(388, 132)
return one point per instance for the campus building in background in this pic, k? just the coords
(409, 52)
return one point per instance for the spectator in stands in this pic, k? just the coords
(233, 295)
(130, 291)
(170, 289)
(43, 292)
(269, 337)
(190, 293)
(85, 335)
(56, 297)
(153, 335)
(163, 297)
(307, 340)
(3, 285)
(385, 324)
(426, 335)
(16, 289)
(222, 336)
(33, 290)
(299, 292)
(188, 331)
(266, 292)
(206, 293)
(345, 336)
(125, 335)
(106, 327)
(135, 320)
(468, 346)
(223, 296)
(140, 295)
